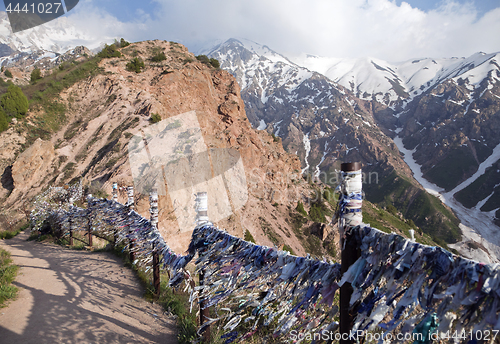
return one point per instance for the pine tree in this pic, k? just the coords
(36, 74)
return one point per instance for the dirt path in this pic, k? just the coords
(69, 296)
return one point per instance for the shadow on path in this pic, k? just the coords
(69, 296)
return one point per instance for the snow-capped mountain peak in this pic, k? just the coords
(389, 82)
(57, 36)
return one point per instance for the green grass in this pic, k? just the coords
(288, 249)
(178, 304)
(7, 275)
(80, 241)
(386, 222)
(248, 236)
(430, 214)
(300, 208)
(10, 234)
(44, 99)
(51, 85)
(425, 210)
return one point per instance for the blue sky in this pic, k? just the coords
(482, 6)
(393, 30)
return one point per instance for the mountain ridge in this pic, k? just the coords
(308, 95)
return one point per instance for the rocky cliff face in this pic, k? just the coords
(105, 111)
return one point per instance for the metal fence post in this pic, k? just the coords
(115, 192)
(130, 194)
(350, 216)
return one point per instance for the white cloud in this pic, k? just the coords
(338, 28)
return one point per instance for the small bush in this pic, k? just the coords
(7, 274)
(14, 102)
(392, 209)
(7, 73)
(36, 74)
(211, 62)
(109, 51)
(203, 59)
(300, 208)
(215, 63)
(155, 118)
(121, 44)
(10, 234)
(329, 195)
(316, 213)
(135, 65)
(288, 249)
(159, 57)
(249, 237)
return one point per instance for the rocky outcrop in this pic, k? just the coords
(31, 168)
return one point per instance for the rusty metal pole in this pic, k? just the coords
(90, 232)
(350, 216)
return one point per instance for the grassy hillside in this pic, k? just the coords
(425, 210)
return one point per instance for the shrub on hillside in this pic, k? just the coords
(136, 65)
(7, 73)
(121, 44)
(211, 62)
(316, 213)
(392, 209)
(14, 102)
(4, 122)
(248, 236)
(155, 118)
(36, 74)
(109, 51)
(159, 57)
(288, 249)
(300, 208)
(215, 63)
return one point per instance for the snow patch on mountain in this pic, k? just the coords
(262, 125)
(307, 147)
